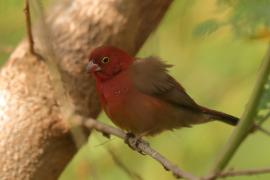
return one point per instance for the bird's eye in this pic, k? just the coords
(105, 60)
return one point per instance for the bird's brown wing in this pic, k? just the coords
(150, 76)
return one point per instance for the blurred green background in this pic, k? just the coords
(218, 69)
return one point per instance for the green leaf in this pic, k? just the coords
(206, 28)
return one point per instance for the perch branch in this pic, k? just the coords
(142, 146)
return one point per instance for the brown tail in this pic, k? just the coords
(226, 118)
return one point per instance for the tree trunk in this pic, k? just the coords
(35, 140)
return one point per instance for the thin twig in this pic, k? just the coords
(142, 146)
(263, 130)
(29, 26)
(121, 165)
(261, 120)
(244, 172)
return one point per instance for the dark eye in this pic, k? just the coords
(105, 60)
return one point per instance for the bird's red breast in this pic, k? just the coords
(128, 108)
(137, 112)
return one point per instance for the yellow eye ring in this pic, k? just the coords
(105, 60)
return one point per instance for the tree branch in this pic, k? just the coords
(66, 106)
(241, 131)
(30, 113)
(142, 146)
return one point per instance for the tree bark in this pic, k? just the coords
(36, 142)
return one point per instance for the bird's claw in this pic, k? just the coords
(134, 141)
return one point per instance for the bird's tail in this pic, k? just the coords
(216, 115)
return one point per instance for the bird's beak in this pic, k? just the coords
(92, 67)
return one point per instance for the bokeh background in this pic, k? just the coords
(217, 68)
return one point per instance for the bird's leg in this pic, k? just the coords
(133, 141)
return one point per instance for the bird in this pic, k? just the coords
(141, 97)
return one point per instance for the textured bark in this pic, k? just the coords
(35, 140)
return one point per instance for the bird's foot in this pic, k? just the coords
(134, 142)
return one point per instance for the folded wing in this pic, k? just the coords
(150, 76)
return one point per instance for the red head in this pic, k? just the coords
(106, 61)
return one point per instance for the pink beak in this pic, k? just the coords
(92, 67)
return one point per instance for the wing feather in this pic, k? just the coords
(150, 76)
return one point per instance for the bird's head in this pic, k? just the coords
(105, 62)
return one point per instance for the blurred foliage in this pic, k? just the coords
(250, 18)
(264, 106)
(218, 70)
(206, 28)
